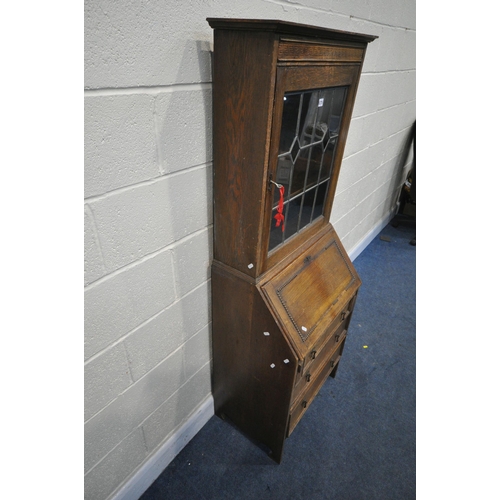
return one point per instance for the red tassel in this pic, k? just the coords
(280, 218)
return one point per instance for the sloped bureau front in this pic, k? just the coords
(309, 293)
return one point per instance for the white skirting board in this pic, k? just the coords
(156, 464)
(371, 235)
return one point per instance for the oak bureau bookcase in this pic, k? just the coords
(283, 286)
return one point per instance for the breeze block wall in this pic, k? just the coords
(148, 208)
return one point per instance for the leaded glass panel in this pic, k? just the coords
(308, 141)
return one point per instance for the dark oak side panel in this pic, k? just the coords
(254, 366)
(243, 83)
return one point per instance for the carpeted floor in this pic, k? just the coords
(357, 439)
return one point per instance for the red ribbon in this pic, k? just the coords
(280, 218)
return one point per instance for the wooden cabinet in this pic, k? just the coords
(283, 287)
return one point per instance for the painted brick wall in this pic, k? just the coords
(148, 198)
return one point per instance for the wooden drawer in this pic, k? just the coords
(306, 397)
(331, 351)
(307, 52)
(317, 352)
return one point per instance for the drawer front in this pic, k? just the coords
(307, 52)
(307, 396)
(331, 351)
(317, 353)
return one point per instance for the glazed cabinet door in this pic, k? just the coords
(311, 117)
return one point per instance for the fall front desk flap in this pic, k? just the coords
(310, 294)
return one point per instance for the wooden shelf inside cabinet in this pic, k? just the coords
(283, 287)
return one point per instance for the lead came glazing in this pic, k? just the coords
(308, 140)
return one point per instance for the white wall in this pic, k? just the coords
(148, 216)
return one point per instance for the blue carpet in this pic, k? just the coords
(357, 439)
